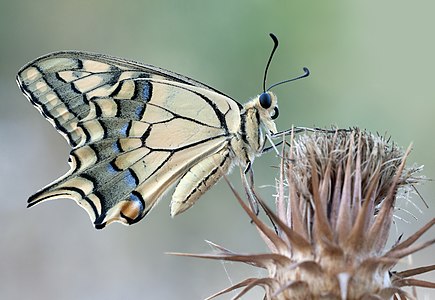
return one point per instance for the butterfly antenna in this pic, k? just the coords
(306, 74)
(275, 45)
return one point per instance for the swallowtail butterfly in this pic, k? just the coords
(136, 130)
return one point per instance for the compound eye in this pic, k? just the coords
(275, 113)
(265, 100)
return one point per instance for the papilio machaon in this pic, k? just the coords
(136, 130)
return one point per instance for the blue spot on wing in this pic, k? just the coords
(124, 129)
(115, 147)
(130, 179)
(139, 112)
(135, 198)
(111, 169)
(146, 91)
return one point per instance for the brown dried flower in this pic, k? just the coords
(334, 209)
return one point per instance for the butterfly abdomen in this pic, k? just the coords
(199, 179)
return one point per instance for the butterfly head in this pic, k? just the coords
(267, 107)
(266, 103)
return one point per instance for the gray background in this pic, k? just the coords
(372, 65)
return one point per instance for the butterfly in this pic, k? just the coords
(136, 130)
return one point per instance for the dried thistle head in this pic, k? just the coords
(334, 209)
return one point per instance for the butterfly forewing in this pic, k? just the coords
(135, 130)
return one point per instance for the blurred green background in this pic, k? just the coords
(372, 65)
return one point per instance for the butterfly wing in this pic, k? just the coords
(134, 129)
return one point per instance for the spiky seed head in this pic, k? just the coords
(334, 209)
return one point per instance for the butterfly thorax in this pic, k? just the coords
(249, 140)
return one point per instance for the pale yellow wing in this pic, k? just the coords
(135, 129)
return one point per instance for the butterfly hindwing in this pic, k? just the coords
(135, 130)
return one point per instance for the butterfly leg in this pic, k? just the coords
(198, 180)
(254, 200)
(302, 129)
(248, 180)
(267, 149)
